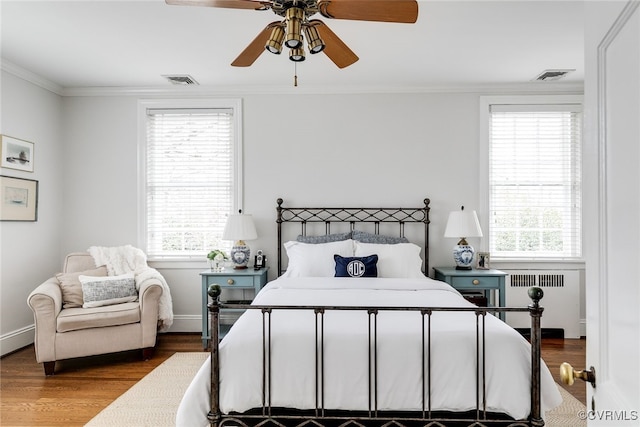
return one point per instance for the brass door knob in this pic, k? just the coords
(476, 282)
(230, 282)
(568, 374)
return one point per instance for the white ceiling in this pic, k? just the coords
(454, 44)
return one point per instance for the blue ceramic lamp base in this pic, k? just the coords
(463, 256)
(240, 254)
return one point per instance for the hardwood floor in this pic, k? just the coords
(83, 387)
(556, 351)
(80, 388)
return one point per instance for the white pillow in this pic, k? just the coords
(315, 259)
(398, 261)
(109, 290)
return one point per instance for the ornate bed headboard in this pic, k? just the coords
(353, 216)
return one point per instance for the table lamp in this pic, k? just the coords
(239, 228)
(462, 224)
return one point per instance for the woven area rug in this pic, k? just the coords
(154, 400)
(567, 413)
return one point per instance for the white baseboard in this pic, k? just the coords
(186, 323)
(17, 339)
(583, 327)
(193, 322)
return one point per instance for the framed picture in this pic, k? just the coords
(16, 154)
(18, 199)
(483, 261)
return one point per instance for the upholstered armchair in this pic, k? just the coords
(65, 329)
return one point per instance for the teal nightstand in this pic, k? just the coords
(476, 280)
(244, 280)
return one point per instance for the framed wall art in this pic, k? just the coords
(16, 153)
(18, 199)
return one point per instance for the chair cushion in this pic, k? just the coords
(72, 319)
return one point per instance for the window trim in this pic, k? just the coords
(214, 103)
(483, 157)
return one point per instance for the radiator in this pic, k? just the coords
(561, 299)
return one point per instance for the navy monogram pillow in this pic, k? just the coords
(366, 266)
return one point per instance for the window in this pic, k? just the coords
(191, 176)
(534, 180)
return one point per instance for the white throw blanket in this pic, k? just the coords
(125, 259)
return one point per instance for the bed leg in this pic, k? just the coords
(535, 311)
(214, 414)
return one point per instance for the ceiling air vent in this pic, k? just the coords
(549, 75)
(181, 79)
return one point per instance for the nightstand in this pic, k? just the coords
(483, 281)
(246, 281)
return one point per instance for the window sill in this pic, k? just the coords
(538, 263)
(178, 264)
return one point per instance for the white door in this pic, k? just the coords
(612, 210)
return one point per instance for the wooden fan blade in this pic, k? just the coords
(230, 4)
(404, 11)
(249, 55)
(334, 47)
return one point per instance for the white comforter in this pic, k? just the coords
(346, 369)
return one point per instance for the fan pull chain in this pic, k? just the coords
(295, 74)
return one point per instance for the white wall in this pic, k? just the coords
(353, 150)
(100, 179)
(30, 251)
(310, 149)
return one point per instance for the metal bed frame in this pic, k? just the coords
(267, 415)
(353, 216)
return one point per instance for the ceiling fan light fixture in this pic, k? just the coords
(315, 43)
(297, 25)
(294, 16)
(297, 54)
(274, 44)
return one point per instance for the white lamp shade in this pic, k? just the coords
(463, 224)
(240, 227)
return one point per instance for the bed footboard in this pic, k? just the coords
(322, 416)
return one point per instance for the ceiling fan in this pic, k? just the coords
(297, 26)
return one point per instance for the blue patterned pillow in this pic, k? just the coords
(326, 238)
(356, 266)
(364, 237)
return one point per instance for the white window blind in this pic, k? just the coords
(535, 181)
(190, 185)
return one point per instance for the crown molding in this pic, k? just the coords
(202, 91)
(30, 76)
